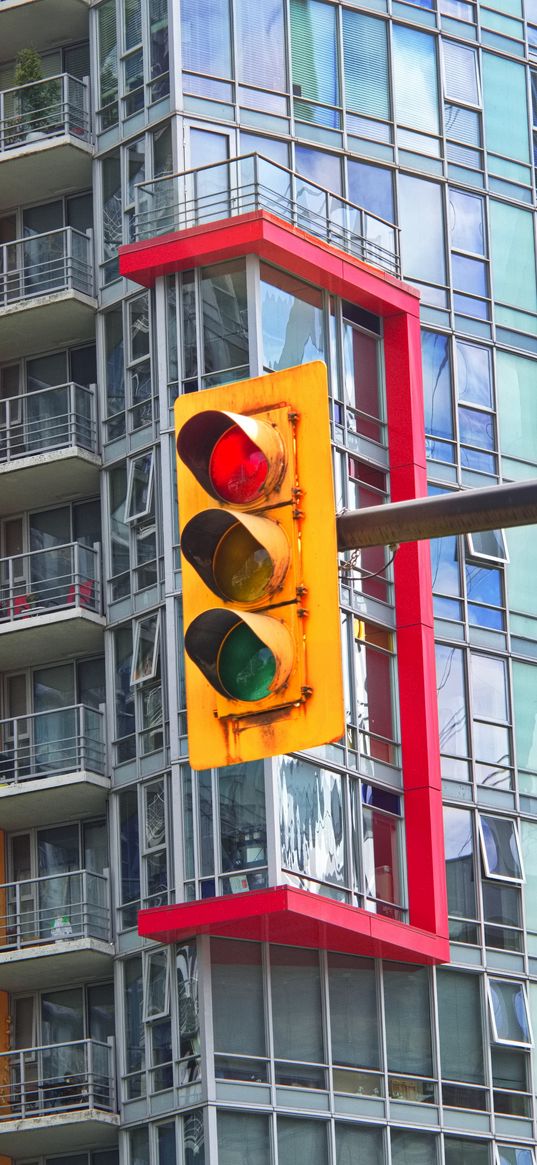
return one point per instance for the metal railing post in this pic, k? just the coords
(80, 730)
(75, 552)
(64, 91)
(90, 1074)
(18, 920)
(71, 395)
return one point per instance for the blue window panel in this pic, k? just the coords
(415, 79)
(421, 218)
(206, 36)
(261, 43)
(371, 187)
(469, 275)
(476, 428)
(474, 374)
(466, 222)
(365, 54)
(437, 384)
(445, 566)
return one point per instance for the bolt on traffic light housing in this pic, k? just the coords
(260, 590)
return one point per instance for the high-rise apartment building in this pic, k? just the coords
(271, 963)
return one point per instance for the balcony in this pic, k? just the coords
(46, 292)
(57, 1097)
(55, 929)
(42, 590)
(45, 139)
(48, 447)
(252, 183)
(52, 767)
(38, 21)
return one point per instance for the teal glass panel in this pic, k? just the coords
(314, 58)
(415, 79)
(513, 256)
(517, 400)
(524, 688)
(528, 837)
(365, 55)
(505, 106)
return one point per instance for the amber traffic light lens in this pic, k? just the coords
(238, 468)
(242, 567)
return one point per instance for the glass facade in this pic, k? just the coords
(406, 128)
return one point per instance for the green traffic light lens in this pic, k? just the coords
(242, 568)
(246, 666)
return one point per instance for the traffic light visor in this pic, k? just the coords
(237, 459)
(245, 657)
(243, 558)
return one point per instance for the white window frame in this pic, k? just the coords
(137, 516)
(481, 557)
(148, 958)
(137, 676)
(502, 1040)
(524, 1148)
(511, 879)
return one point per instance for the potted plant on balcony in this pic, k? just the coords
(35, 100)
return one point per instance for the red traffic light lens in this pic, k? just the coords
(238, 468)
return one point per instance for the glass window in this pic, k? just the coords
(134, 1028)
(489, 544)
(156, 985)
(474, 369)
(296, 1004)
(412, 1148)
(140, 485)
(466, 222)
(408, 1028)
(460, 869)
(461, 78)
(513, 1155)
(512, 250)
(358, 1144)
(314, 61)
(130, 854)
(302, 1140)
(365, 56)
(381, 859)
(238, 1006)
(114, 371)
(459, 1013)
(421, 218)
(243, 1139)
(516, 377)
(505, 107)
(146, 648)
(415, 80)
(243, 830)
(500, 848)
(206, 36)
(436, 363)
(462, 1152)
(108, 63)
(524, 687)
(311, 821)
(354, 1030)
(292, 320)
(489, 687)
(451, 700)
(112, 229)
(371, 186)
(261, 40)
(508, 1010)
(374, 690)
(225, 318)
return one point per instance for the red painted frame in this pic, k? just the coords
(284, 914)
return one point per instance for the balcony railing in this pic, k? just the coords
(57, 1078)
(60, 906)
(252, 182)
(50, 580)
(44, 264)
(49, 744)
(61, 417)
(42, 110)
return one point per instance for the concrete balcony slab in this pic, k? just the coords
(60, 164)
(53, 964)
(66, 797)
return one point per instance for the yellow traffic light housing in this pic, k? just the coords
(260, 589)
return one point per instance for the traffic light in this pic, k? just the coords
(260, 591)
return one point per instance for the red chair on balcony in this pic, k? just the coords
(21, 606)
(81, 594)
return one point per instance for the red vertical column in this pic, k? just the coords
(415, 633)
